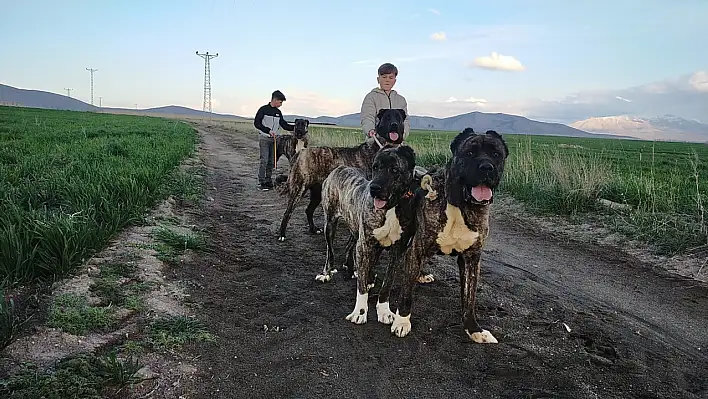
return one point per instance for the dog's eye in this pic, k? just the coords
(394, 170)
(496, 154)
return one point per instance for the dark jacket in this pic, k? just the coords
(268, 118)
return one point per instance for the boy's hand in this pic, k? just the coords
(272, 133)
(372, 133)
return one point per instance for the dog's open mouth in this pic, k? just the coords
(379, 203)
(481, 193)
(393, 136)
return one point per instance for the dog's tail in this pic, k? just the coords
(281, 184)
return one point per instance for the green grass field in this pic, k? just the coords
(665, 183)
(71, 180)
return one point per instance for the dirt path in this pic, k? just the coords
(635, 332)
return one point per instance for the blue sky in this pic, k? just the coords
(324, 56)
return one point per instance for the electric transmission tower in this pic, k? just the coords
(207, 81)
(68, 92)
(92, 71)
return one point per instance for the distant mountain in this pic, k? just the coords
(480, 121)
(668, 127)
(41, 99)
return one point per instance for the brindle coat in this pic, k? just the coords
(350, 196)
(291, 144)
(313, 165)
(455, 224)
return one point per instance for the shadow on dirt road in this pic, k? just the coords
(634, 332)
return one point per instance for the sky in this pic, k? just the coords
(514, 56)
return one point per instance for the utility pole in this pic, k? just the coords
(136, 106)
(68, 92)
(92, 71)
(100, 103)
(207, 81)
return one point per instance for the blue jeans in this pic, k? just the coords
(265, 170)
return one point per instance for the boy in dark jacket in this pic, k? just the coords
(268, 121)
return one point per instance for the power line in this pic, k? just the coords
(68, 92)
(92, 71)
(207, 80)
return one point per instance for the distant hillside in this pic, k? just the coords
(668, 127)
(42, 99)
(478, 120)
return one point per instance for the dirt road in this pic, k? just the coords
(635, 332)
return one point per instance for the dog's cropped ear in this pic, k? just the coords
(460, 138)
(499, 136)
(407, 153)
(379, 115)
(402, 113)
(297, 119)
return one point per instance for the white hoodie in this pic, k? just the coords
(376, 100)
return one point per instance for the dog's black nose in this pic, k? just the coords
(486, 167)
(375, 187)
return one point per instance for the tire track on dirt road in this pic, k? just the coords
(282, 334)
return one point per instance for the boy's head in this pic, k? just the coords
(277, 98)
(387, 76)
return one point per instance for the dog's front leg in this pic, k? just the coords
(469, 264)
(315, 200)
(330, 230)
(383, 309)
(412, 265)
(366, 256)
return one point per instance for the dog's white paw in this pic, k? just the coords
(281, 238)
(323, 278)
(483, 337)
(384, 313)
(426, 278)
(401, 326)
(356, 275)
(358, 316)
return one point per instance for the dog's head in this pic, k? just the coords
(392, 176)
(476, 167)
(301, 128)
(390, 126)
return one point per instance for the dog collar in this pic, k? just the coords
(408, 194)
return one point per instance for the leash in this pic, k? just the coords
(378, 142)
(275, 153)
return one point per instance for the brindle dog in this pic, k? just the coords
(379, 214)
(291, 144)
(455, 223)
(313, 164)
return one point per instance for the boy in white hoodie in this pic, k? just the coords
(383, 97)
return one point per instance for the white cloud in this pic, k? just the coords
(498, 62)
(478, 101)
(439, 36)
(434, 11)
(699, 81)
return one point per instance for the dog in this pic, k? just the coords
(379, 214)
(454, 223)
(313, 164)
(291, 144)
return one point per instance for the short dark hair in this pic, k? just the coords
(387, 68)
(278, 95)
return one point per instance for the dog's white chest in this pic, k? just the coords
(455, 235)
(299, 145)
(391, 230)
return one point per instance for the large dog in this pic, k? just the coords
(291, 144)
(455, 223)
(379, 214)
(313, 165)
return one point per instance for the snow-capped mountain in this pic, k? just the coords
(667, 127)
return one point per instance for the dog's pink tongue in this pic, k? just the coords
(379, 203)
(393, 136)
(482, 193)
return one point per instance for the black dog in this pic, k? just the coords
(313, 164)
(291, 144)
(379, 214)
(455, 223)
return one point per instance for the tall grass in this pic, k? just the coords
(70, 180)
(665, 185)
